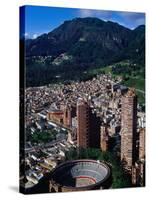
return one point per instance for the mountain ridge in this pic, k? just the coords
(84, 43)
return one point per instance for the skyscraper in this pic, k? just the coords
(67, 116)
(104, 138)
(142, 144)
(128, 128)
(88, 126)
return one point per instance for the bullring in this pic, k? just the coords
(78, 175)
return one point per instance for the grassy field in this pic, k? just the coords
(100, 70)
(139, 85)
(136, 82)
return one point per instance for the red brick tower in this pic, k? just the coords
(104, 138)
(129, 128)
(88, 126)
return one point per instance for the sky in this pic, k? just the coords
(40, 19)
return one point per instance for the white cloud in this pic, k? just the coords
(105, 15)
(35, 36)
(128, 19)
(85, 13)
(132, 17)
(26, 35)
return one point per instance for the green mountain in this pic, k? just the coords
(79, 45)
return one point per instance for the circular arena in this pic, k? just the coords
(80, 175)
